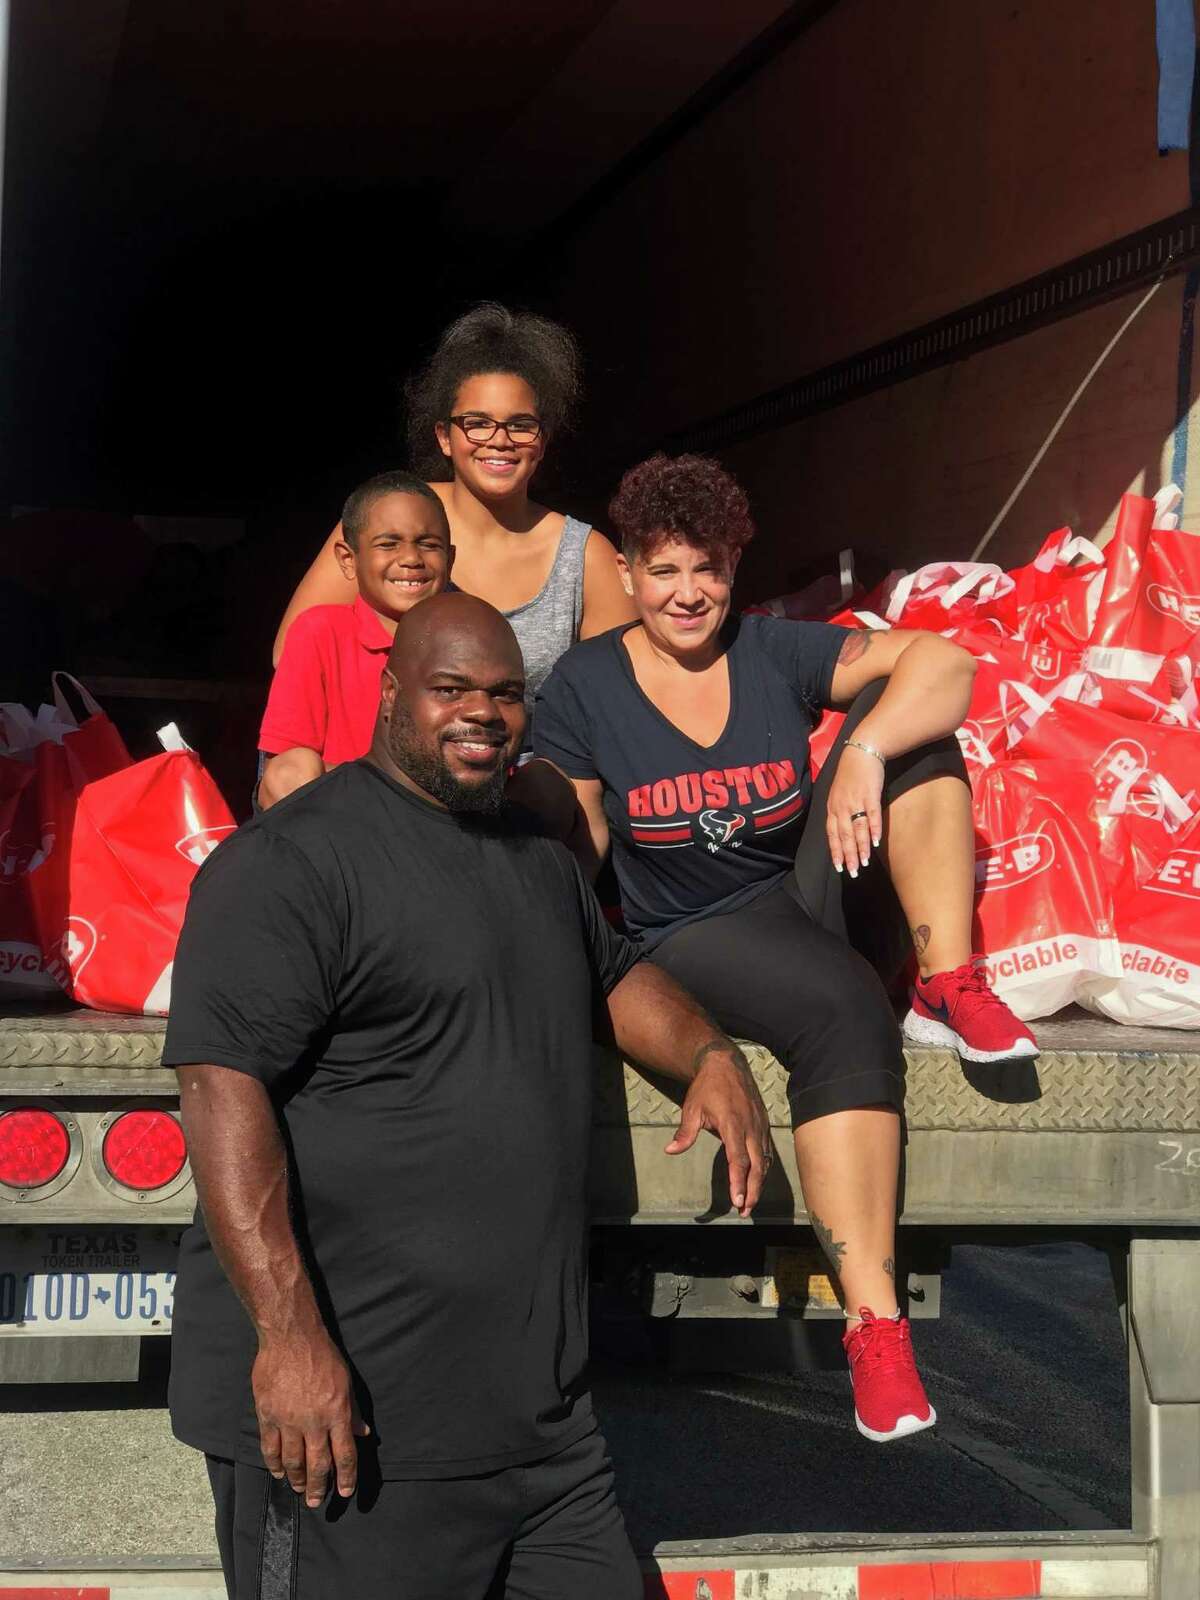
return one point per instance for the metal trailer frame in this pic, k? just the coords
(1098, 1139)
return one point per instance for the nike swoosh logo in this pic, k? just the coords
(941, 1011)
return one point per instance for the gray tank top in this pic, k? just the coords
(548, 625)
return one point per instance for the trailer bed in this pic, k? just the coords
(1102, 1128)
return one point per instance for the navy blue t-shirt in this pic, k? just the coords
(695, 829)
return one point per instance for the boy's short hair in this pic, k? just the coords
(359, 501)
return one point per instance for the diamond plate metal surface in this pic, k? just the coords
(81, 1039)
(1080, 1091)
(1065, 1090)
(1076, 1091)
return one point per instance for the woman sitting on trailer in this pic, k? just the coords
(782, 906)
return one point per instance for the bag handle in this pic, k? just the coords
(88, 700)
(1167, 503)
(17, 729)
(1077, 545)
(1183, 712)
(21, 731)
(1062, 548)
(1176, 810)
(1071, 688)
(986, 579)
(1037, 703)
(966, 576)
(846, 574)
(172, 740)
(974, 748)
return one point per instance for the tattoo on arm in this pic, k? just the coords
(855, 645)
(718, 1046)
(920, 938)
(889, 1266)
(835, 1249)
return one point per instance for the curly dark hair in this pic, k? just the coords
(681, 497)
(491, 338)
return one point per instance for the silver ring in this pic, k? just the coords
(854, 815)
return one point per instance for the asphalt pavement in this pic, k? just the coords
(1026, 1367)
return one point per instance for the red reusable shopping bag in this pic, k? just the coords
(43, 759)
(1003, 694)
(137, 839)
(983, 734)
(1148, 613)
(1055, 596)
(1043, 914)
(1142, 814)
(1137, 771)
(1156, 908)
(20, 848)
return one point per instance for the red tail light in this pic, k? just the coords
(34, 1147)
(145, 1149)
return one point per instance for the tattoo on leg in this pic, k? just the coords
(718, 1046)
(920, 938)
(889, 1266)
(835, 1249)
(855, 645)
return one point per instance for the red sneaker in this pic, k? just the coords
(961, 1010)
(889, 1398)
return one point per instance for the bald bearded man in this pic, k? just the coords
(381, 1021)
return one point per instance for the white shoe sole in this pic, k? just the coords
(929, 1031)
(907, 1424)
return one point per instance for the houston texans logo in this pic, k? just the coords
(720, 826)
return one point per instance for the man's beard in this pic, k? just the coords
(428, 770)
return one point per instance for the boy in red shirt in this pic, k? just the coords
(325, 693)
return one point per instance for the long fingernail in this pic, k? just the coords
(877, 842)
(837, 866)
(853, 872)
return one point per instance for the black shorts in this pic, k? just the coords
(551, 1530)
(802, 969)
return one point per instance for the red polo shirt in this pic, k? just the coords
(325, 692)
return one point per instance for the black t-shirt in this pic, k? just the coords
(695, 829)
(416, 991)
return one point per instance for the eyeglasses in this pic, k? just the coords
(481, 429)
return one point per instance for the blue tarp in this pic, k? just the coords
(1176, 37)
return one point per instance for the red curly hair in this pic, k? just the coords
(682, 497)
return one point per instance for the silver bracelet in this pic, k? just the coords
(870, 749)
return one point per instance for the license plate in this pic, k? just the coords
(87, 1280)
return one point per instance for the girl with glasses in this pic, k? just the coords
(499, 387)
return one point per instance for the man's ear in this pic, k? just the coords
(733, 564)
(625, 575)
(388, 685)
(346, 559)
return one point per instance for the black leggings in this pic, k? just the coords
(801, 969)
